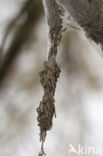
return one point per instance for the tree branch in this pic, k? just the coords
(89, 15)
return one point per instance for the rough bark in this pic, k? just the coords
(89, 15)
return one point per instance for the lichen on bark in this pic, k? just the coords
(50, 74)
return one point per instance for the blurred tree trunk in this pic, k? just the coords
(33, 10)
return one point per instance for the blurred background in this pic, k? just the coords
(79, 93)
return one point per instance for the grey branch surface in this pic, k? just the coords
(87, 13)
